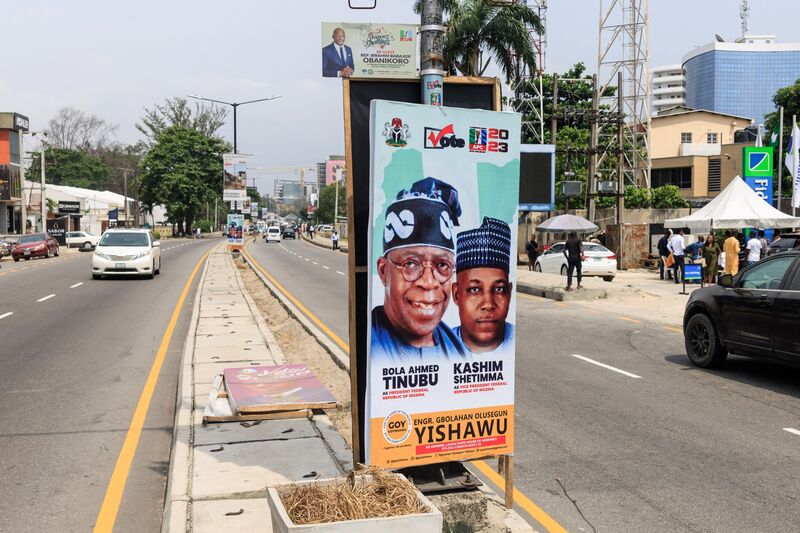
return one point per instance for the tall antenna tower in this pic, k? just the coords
(528, 98)
(622, 47)
(744, 14)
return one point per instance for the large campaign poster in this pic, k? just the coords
(370, 50)
(234, 187)
(443, 216)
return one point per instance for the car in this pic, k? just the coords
(787, 242)
(600, 261)
(273, 233)
(753, 313)
(288, 233)
(127, 252)
(325, 228)
(83, 239)
(7, 244)
(35, 245)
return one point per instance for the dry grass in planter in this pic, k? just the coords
(381, 495)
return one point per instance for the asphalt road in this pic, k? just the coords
(74, 356)
(645, 443)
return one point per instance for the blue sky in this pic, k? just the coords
(113, 58)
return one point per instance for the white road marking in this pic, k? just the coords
(45, 298)
(307, 259)
(342, 273)
(76, 285)
(326, 268)
(6, 314)
(315, 262)
(790, 430)
(607, 367)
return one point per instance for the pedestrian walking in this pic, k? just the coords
(532, 249)
(753, 251)
(311, 232)
(764, 244)
(677, 246)
(573, 251)
(334, 240)
(663, 253)
(731, 248)
(711, 251)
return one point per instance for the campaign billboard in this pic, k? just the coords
(331, 166)
(234, 168)
(442, 260)
(254, 209)
(369, 50)
(235, 228)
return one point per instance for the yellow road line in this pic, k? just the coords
(630, 319)
(343, 345)
(116, 485)
(520, 499)
(676, 330)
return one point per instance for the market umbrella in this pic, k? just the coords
(565, 224)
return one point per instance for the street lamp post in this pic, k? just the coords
(234, 105)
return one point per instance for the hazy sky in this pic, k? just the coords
(112, 58)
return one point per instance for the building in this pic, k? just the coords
(694, 150)
(320, 175)
(12, 126)
(667, 87)
(741, 77)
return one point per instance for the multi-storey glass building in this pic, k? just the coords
(740, 78)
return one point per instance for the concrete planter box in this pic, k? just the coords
(418, 523)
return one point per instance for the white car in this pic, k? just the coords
(126, 252)
(81, 238)
(600, 261)
(273, 234)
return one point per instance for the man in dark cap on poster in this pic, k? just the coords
(482, 290)
(416, 270)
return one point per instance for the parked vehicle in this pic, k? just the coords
(7, 244)
(82, 238)
(35, 245)
(127, 252)
(784, 244)
(600, 261)
(273, 234)
(325, 228)
(753, 313)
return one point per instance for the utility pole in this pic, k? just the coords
(594, 116)
(431, 47)
(22, 184)
(780, 157)
(620, 165)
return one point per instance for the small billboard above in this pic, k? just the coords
(369, 50)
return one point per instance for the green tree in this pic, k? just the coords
(789, 99)
(479, 31)
(327, 201)
(204, 119)
(252, 193)
(65, 166)
(182, 171)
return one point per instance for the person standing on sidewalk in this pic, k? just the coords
(532, 249)
(334, 240)
(677, 246)
(573, 251)
(731, 248)
(753, 251)
(711, 251)
(663, 253)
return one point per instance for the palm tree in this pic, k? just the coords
(477, 27)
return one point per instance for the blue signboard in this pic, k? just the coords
(692, 272)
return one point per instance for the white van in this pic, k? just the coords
(273, 234)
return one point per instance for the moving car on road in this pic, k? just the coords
(754, 313)
(600, 261)
(35, 245)
(273, 234)
(126, 252)
(288, 233)
(83, 239)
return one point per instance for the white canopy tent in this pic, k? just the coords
(738, 206)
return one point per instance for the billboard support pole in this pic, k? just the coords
(431, 47)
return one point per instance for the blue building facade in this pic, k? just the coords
(740, 78)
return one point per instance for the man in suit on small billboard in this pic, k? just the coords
(337, 57)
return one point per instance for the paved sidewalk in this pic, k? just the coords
(219, 473)
(323, 242)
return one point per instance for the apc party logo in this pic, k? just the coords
(396, 133)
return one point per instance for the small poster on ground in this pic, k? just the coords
(275, 388)
(444, 189)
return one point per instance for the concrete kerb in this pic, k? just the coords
(338, 355)
(342, 249)
(176, 505)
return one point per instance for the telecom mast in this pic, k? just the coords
(528, 97)
(622, 47)
(744, 14)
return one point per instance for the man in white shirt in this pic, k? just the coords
(677, 246)
(754, 247)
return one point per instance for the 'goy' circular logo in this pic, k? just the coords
(396, 427)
